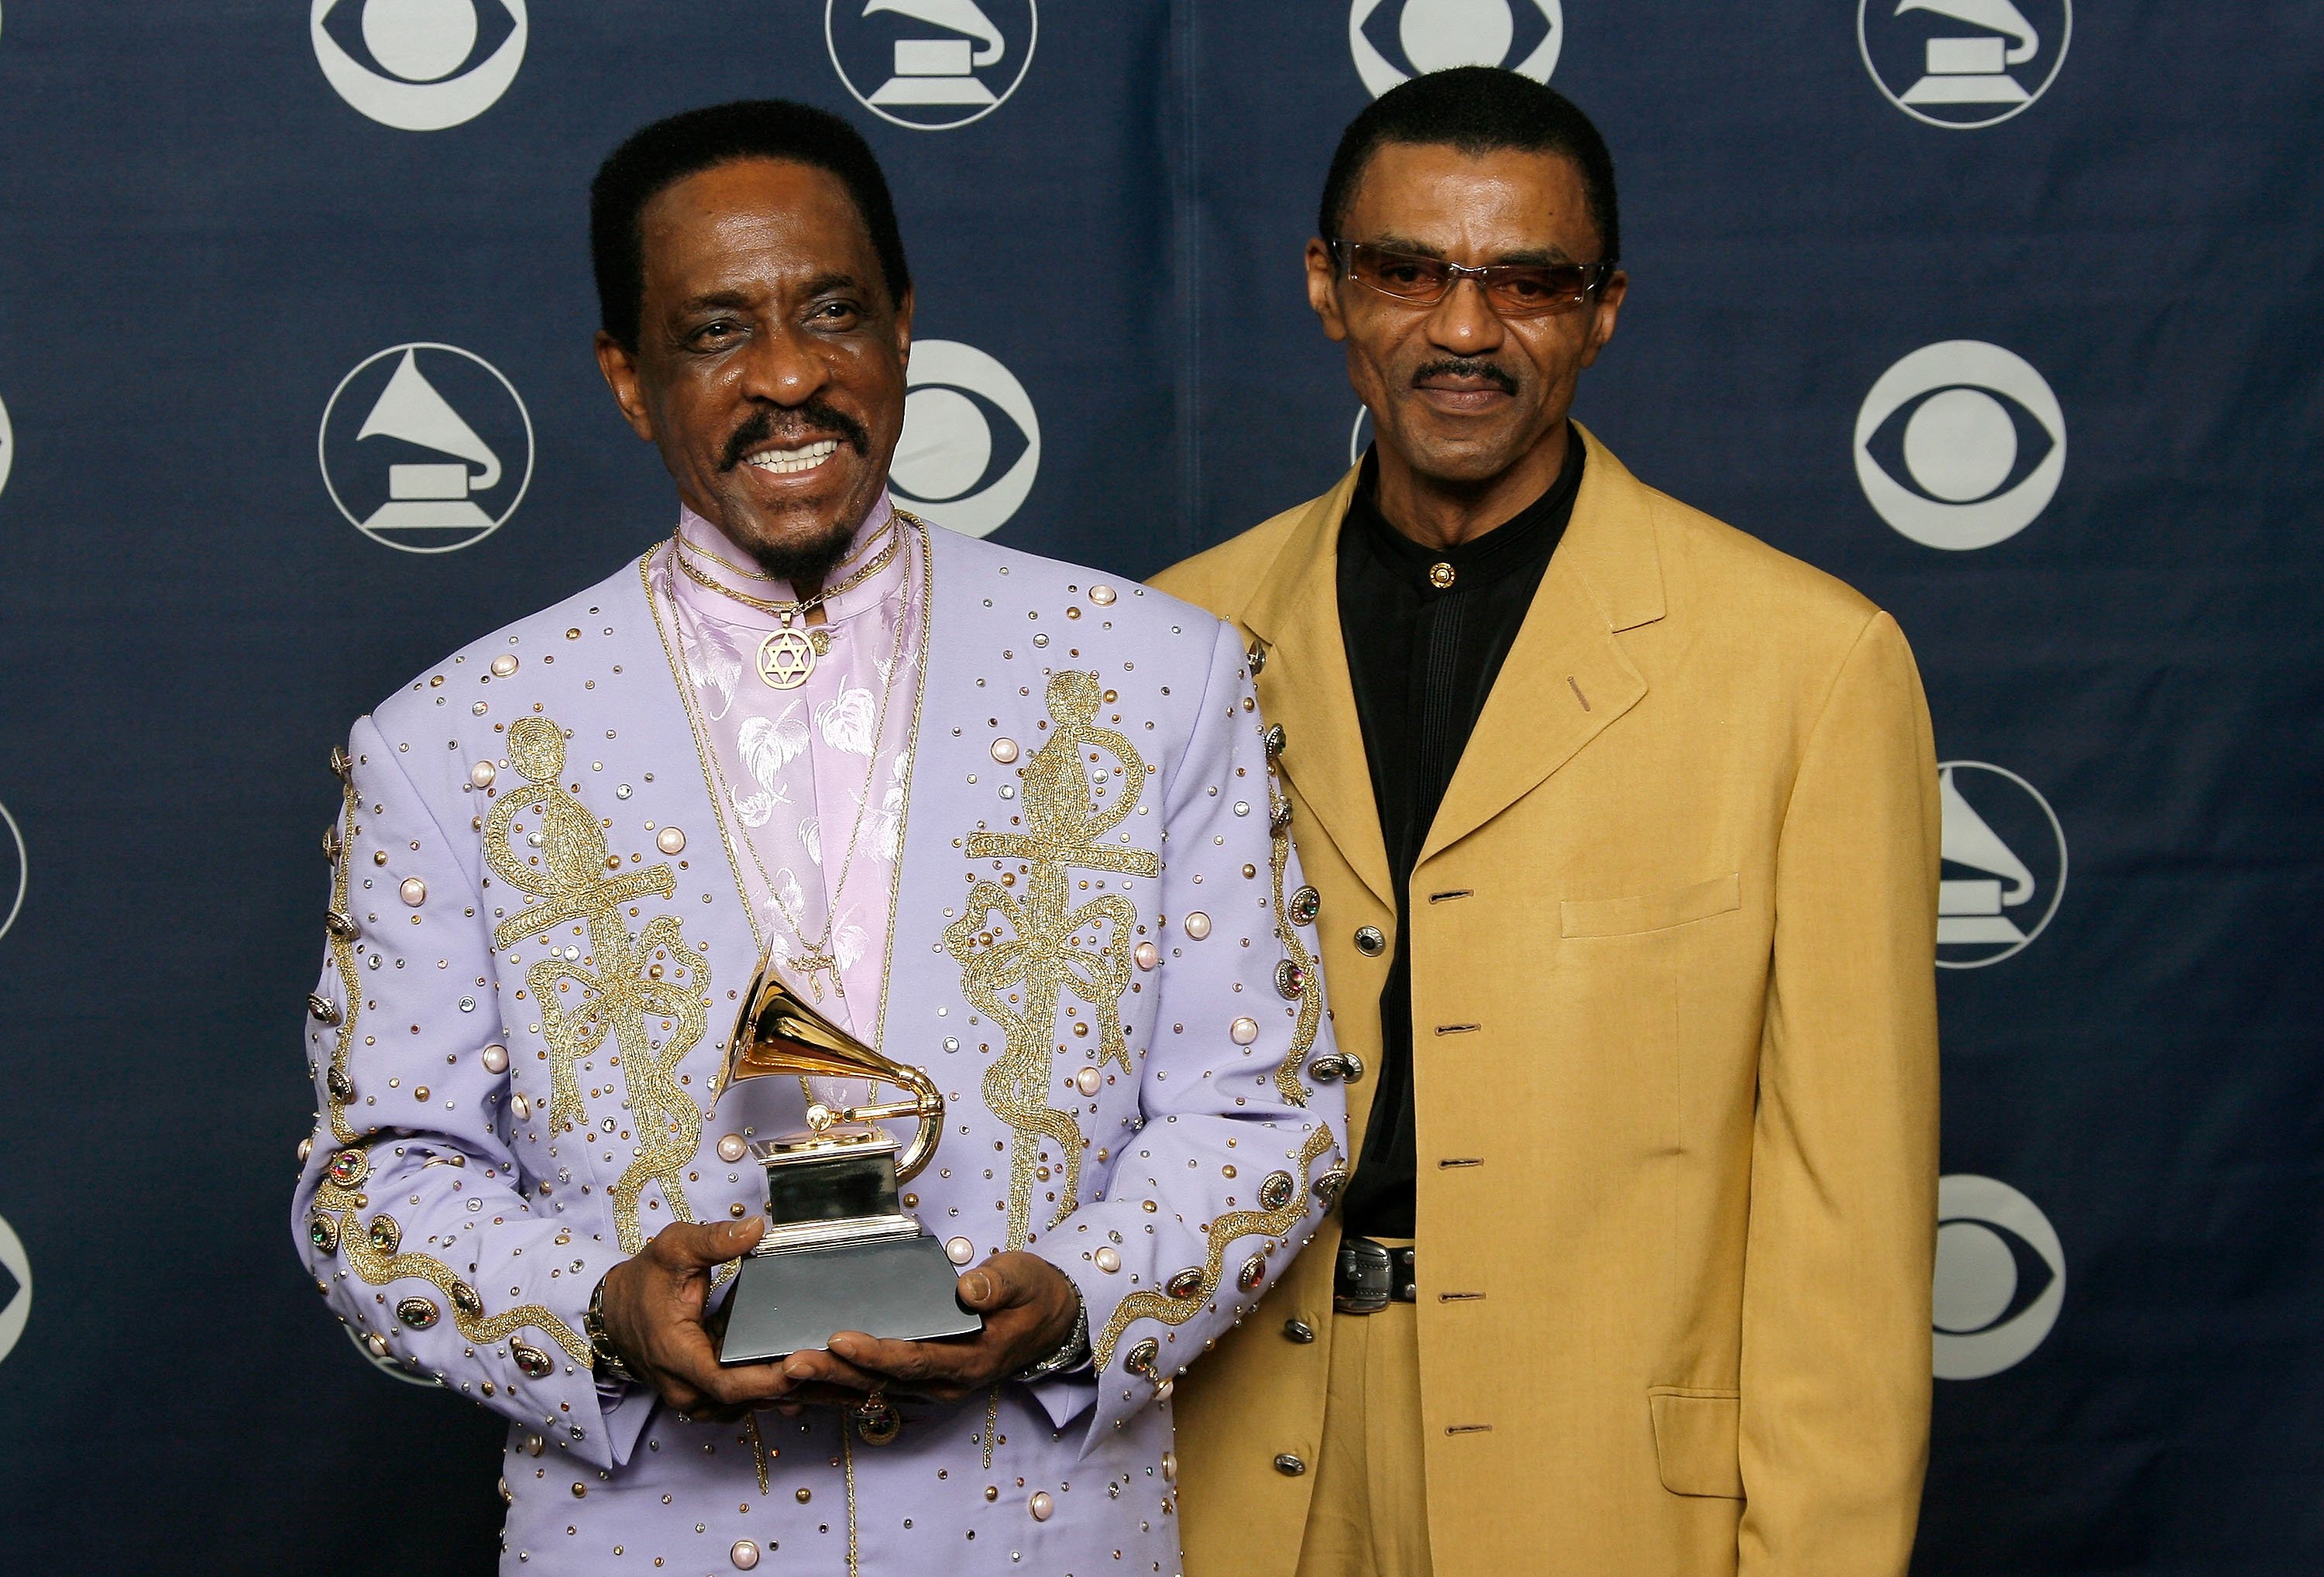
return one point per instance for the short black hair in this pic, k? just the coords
(1476, 109)
(657, 157)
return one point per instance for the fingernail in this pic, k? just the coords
(756, 1226)
(977, 1285)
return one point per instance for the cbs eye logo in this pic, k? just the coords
(1961, 445)
(16, 871)
(431, 63)
(969, 470)
(2000, 1279)
(15, 1288)
(1395, 41)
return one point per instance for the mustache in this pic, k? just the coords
(1462, 367)
(816, 418)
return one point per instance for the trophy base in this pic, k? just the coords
(899, 1289)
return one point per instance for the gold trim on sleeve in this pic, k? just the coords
(1223, 1233)
(1287, 1082)
(339, 1084)
(373, 1252)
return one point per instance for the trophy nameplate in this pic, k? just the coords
(840, 1251)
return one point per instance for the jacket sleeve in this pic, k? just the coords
(1235, 1156)
(1835, 1298)
(411, 1214)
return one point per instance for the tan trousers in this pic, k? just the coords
(1369, 1515)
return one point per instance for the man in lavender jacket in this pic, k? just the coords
(1006, 821)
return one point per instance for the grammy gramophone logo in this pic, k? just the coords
(1962, 64)
(426, 447)
(931, 64)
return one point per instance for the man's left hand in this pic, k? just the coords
(1028, 1307)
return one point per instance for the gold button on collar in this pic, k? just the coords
(1440, 576)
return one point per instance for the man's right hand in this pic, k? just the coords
(653, 1308)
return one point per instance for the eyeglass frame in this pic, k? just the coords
(1343, 252)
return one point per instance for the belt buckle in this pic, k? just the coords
(1364, 1278)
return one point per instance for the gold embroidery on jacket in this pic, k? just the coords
(379, 1262)
(1222, 1234)
(626, 980)
(339, 1084)
(1287, 1082)
(1017, 959)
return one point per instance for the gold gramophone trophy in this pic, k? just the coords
(840, 1253)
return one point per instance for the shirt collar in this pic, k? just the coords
(1527, 539)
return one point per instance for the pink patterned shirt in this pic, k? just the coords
(810, 781)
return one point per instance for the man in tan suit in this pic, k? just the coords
(1623, 830)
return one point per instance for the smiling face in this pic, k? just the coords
(1468, 406)
(769, 364)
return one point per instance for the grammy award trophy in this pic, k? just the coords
(840, 1253)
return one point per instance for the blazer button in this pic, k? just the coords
(1289, 1466)
(1298, 1330)
(1337, 1065)
(1370, 942)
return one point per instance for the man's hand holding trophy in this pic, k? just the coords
(840, 1293)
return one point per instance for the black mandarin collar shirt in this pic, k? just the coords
(1426, 631)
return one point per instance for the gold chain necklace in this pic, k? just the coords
(817, 956)
(788, 655)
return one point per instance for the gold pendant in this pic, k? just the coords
(811, 966)
(787, 659)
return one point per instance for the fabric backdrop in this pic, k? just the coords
(2006, 313)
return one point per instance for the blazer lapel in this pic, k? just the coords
(1304, 687)
(1566, 677)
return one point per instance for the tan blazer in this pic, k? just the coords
(1675, 1026)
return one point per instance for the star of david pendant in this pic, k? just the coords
(787, 659)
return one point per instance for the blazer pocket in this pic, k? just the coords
(1652, 911)
(1695, 1441)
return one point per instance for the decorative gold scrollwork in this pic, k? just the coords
(1018, 959)
(1174, 1307)
(627, 978)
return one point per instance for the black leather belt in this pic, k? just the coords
(1371, 1276)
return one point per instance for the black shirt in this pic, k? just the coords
(1426, 630)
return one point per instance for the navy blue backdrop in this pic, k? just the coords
(2007, 313)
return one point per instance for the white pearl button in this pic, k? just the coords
(670, 841)
(1102, 596)
(519, 1105)
(414, 891)
(481, 774)
(1004, 749)
(1089, 1081)
(1244, 1031)
(731, 1148)
(496, 1059)
(959, 1250)
(1148, 955)
(1198, 925)
(1108, 1260)
(744, 1555)
(1041, 1506)
(503, 665)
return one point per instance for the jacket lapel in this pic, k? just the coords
(1566, 677)
(1305, 687)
